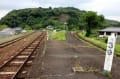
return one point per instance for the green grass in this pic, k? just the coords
(30, 31)
(92, 40)
(3, 27)
(100, 43)
(60, 35)
(117, 48)
(107, 74)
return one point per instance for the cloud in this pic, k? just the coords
(17, 4)
(109, 8)
(117, 18)
(106, 7)
(3, 13)
(61, 3)
(8, 5)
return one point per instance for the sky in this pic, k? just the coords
(109, 8)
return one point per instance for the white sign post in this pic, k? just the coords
(109, 53)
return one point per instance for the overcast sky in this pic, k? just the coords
(109, 8)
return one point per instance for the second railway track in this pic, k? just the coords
(15, 66)
(14, 40)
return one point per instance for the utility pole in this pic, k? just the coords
(66, 29)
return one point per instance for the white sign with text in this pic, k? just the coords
(109, 53)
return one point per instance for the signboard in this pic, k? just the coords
(109, 53)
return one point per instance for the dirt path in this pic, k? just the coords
(62, 57)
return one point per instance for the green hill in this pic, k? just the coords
(37, 18)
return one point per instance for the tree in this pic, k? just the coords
(101, 20)
(27, 27)
(92, 20)
(37, 26)
(37, 18)
(72, 23)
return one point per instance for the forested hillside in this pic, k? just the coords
(37, 18)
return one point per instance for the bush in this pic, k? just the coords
(107, 74)
(27, 27)
(106, 39)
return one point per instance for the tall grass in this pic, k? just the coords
(60, 35)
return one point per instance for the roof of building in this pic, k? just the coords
(110, 29)
(17, 28)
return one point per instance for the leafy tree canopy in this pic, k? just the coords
(37, 18)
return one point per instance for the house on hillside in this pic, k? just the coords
(108, 31)
(17, 30)
(50, 27)
(7, 31)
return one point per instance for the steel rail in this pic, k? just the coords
(18, 53)
(4, 44)
(21, 67)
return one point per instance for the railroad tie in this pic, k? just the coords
(11, 73)
(7, 73)
(24, 56)
(31, 48)
(20, 62)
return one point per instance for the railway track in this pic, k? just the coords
(19, 63)
(4, 44)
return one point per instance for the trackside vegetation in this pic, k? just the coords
(99, 43)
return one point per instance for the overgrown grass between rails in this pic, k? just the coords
(60, 35)
(100, 44)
